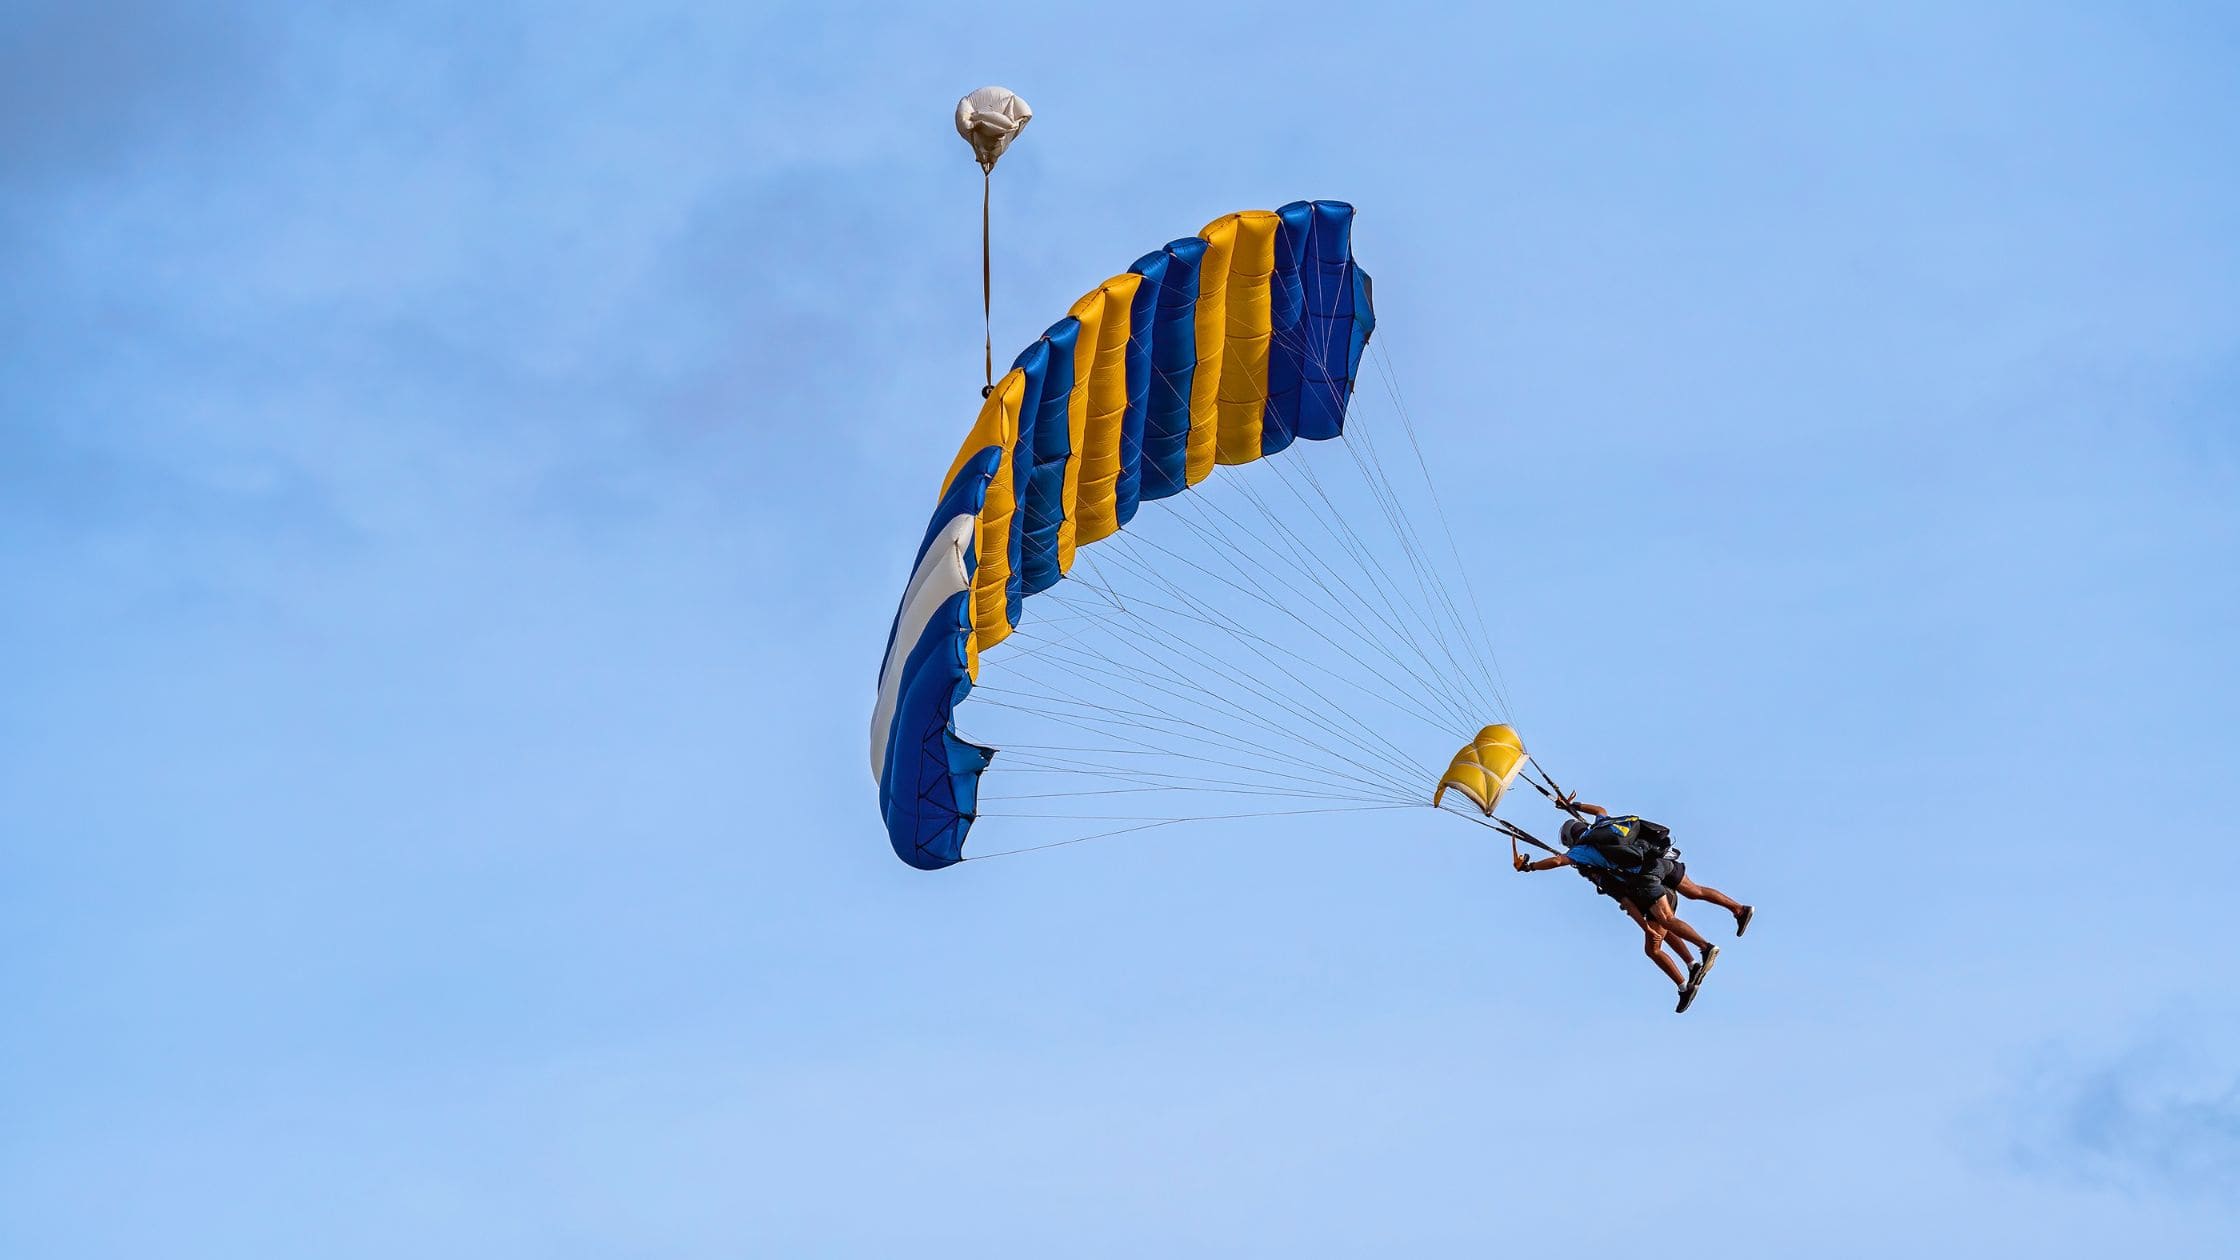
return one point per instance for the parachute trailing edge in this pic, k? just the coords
(1217, 349)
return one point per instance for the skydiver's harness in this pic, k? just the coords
(1629, 842)
(1633, 848)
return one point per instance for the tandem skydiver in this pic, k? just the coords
(1672, 872)
(1631, 861)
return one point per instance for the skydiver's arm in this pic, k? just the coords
(1544, 864)
(1570, 800)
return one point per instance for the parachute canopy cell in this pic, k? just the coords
(1485, 768)
(989, 119)
(1218, 349)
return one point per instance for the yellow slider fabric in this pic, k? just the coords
(1485, 767)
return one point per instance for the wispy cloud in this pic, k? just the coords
(2161, 1116)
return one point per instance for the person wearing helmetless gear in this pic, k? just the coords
(1631, 860)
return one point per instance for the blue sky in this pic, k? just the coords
(456, 469)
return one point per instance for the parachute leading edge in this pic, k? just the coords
(1485, 768)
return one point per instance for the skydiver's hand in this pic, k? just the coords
(1518, 858)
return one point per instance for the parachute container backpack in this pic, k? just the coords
(1218, 349)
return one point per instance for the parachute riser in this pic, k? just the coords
(1551, 791)
(1513, 831)
(1516, 833)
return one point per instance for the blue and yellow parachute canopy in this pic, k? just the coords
(1218, 349)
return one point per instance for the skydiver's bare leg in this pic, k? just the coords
(1694, 891)
(1673, 943)
(1653, 943)
(1653, 946)
(1664, 918)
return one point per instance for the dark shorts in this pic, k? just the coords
(1640, 889)
(1644, 889)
